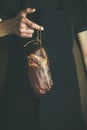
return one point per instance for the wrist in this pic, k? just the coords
(10, 27)
(5, 28)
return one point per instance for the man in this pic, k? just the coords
(60, 108)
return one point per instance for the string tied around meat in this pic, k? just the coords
(37, 40)
(39, 72)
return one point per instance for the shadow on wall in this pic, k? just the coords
(82, 80)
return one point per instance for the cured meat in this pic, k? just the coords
(39, 71)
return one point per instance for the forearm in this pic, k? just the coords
(85, 62)
(5, 28)
(82, 38)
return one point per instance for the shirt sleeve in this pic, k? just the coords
(81, 17)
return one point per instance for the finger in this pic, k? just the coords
(25, 35)
(23, 25)
(27, 30)
(33, 25)
(31, 31)
(27, 11)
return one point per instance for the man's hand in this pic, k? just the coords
(22, 26)
(19, 25)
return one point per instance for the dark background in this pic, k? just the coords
(80, 70)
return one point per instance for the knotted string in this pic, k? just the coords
(37, 41)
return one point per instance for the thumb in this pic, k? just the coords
(28, 11)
